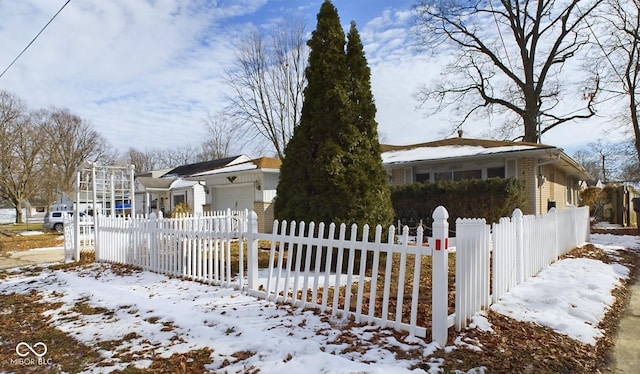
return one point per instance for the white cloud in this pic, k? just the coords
(144, 73)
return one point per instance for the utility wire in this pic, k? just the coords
(34, 39)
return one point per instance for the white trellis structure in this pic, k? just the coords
(101, 190)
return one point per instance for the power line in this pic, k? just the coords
(34, 39)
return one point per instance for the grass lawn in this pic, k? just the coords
(11, 238)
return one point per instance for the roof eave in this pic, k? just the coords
(518, 153)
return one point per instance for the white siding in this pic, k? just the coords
(237, 197)
(199, 199)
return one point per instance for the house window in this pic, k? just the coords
(408, 175)
(423, 177)
(178, 199)
(467, 174)
(570, 191)
(495, 172)
(443, 176)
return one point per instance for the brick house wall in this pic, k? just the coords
(264, 211)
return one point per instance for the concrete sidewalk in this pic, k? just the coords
(32, 257)
(626, 352)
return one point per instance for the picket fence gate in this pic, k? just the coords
(338, 269)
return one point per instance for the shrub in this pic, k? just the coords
(490, 199)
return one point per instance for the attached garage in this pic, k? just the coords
(246, 185)
(234, 197)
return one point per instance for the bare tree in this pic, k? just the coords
(588, 160)
(510, 58)
(21, 145)
(142, 161)
(267, 81)
(71, 141)
(223, 137)
(176, 156)
(616, 35)
(605, 161)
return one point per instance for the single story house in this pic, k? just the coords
(163, 190)
(235, 183)
(247, 185)
(152, 194)
(164, 194)
(551, 177)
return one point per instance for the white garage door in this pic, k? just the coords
(234, 198)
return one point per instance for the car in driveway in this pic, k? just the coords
(55, 220)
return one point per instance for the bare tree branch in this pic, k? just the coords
(267, 82)
(511, 54)
(616, 32)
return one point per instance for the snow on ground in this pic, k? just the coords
(173, 316)
(169, 316)
(571, 296)
(32, 233)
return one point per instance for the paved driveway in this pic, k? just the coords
(32, 257)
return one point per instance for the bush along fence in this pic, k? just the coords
(398, 282)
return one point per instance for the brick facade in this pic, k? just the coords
(264, 211)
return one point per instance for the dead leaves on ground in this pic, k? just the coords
(513, 346)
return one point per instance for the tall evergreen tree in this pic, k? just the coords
(332, 171)
(368, 179)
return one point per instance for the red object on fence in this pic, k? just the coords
(439, 244)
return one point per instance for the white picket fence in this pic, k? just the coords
(352, 276)
(79, 236)
(520, 247)
(338, 269)
(193, 247)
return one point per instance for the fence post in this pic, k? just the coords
(574, 226)
(553, 213)
(440, 281)
(152, 240)
(516, 218)
(252, 252)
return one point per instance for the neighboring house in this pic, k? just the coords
(235, 183)
(154, 173)
(164, 189)
(85, 202)
(152, 193)
(551, 177)
(203, 167)
(164, 194)
(248, 185)
(619, 209)
(63, 202)
(192, 193)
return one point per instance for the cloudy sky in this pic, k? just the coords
(146, 73)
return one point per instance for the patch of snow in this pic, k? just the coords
(480, 322)
(452, 151)
(30, 233)
(570, 296)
